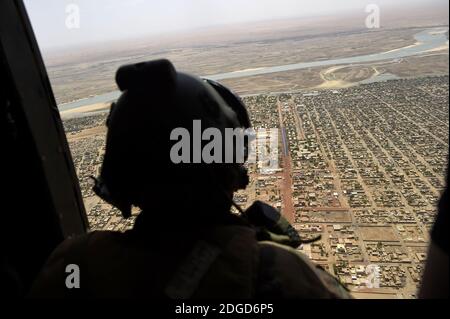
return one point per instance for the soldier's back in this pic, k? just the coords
(222, 262)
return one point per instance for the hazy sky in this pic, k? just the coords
(102, 20)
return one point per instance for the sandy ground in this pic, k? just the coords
(87, 109)
(406, 47)
(328, 84)
(441, 48)
(332, 81)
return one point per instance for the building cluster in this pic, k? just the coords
(362, 167)
(87, 153)
(365, 156)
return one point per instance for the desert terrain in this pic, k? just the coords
(80, 72)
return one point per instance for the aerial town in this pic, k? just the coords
(363, 167)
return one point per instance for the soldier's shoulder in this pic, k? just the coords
(80, 244)
(291, 274)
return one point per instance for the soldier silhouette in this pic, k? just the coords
(185, 243)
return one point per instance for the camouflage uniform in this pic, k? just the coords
(225, 261)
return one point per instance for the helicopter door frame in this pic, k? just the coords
(29, 77)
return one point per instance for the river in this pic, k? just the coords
(426, 40)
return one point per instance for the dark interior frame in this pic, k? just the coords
(41, 202)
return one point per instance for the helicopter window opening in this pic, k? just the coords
(350, 101)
